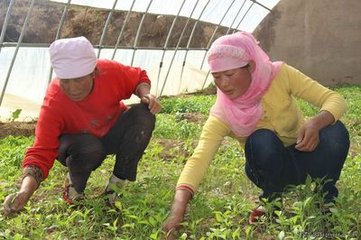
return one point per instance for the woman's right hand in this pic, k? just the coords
(178, 210)
(15, 202)
(172, 224)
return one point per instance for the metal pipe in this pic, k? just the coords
(165, 46)
(138, 32)
(16, 50)
(239, 11)
(105, 27)
(122, 30)
(5, 24)
(205, 80)
(35, 45)
(178, 43)
(65, 11)
(245, 14)
(58, 32)
(214, 32)
(258, 3)
(211, 40)
(190, 39)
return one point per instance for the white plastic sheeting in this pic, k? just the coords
(183, 70)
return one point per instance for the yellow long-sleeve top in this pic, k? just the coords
(281, 115)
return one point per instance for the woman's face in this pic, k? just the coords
(234, 82)
(77, 88)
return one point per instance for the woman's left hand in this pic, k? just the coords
(308, 137)
(153, 103)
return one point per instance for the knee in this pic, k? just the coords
(262, 145)
(337, 138)
(86, 153)
(344, 137)
(142, 116)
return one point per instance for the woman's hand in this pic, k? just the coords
(309, 135)
(179, 206)
(153, 103)
(143, 92)
(15, 202)
(172, 224)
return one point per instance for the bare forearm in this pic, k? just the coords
(323, 119)
(15, 202)
(179, 206)
(142, 90)
(308, 137)
(181, 199)
(28, 185)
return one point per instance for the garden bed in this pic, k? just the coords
(17, 128)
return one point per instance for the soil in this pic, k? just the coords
(43, 26)
(17, 129)
(28, 128)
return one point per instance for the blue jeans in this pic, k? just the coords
(127, 139)
(272, 167)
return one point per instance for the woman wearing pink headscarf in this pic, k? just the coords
(256, 105)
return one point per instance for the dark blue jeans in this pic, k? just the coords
(127, 139)
(272, 167)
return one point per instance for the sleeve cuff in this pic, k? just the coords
(186, 188)
(33, 171)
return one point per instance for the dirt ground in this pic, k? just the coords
(17, 129)
(28, 128)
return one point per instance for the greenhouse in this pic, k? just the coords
(308, 96)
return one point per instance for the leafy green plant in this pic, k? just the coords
(15, 115)
(220, 208)
(187, 104)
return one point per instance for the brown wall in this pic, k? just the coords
(322, 38)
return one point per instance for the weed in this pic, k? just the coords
(220, 208)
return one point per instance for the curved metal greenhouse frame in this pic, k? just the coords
(175, 64)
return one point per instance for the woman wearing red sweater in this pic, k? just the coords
(83, 119)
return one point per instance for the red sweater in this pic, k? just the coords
(95, 114)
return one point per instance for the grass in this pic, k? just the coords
(218, 211)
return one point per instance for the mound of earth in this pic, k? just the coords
(17, 129)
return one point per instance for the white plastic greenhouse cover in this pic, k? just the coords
(25, 70)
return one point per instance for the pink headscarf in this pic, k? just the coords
(233, 51)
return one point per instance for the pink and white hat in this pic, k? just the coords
(227, 53)
(72, 57)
